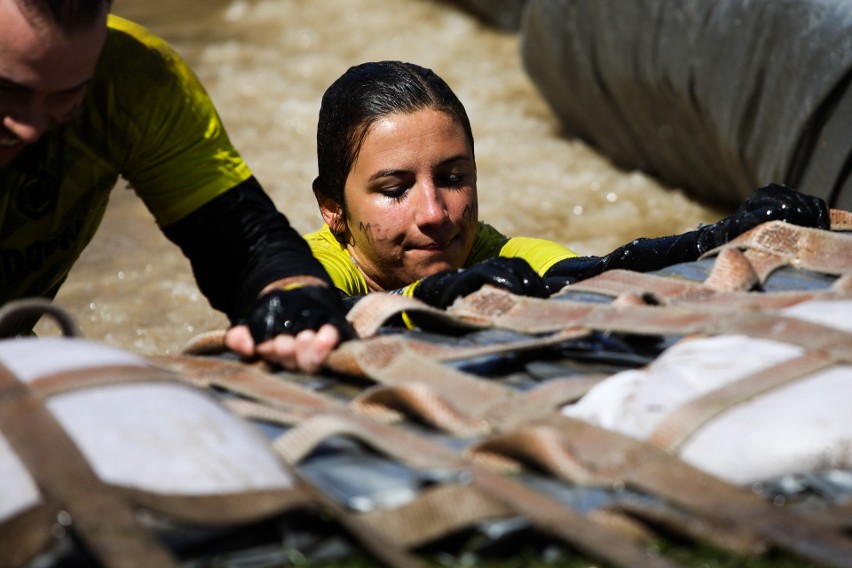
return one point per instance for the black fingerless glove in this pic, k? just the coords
(291, 311)
(773, 202)
(513, 274)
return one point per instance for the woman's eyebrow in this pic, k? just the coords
(401, 171)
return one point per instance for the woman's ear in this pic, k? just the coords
(332, 213)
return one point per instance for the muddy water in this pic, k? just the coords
(266, 64)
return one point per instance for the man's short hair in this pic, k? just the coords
(67, 14)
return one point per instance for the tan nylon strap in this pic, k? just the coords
(90, 377)
(436, 512)
(373, 310)
(800, 247)
(532, 315)
(841, 220)
(216, 510)
(424, 402)
(732, 272)
(683, 422)
(622, 459)
(247, 381)
(626, 460)
(27, 534)
(542, 511)
(100, 516)
(668, 477)
(544, 399)
(348, 357)
(289, 404)
(696, 528)
(616, 282)
(422, 454)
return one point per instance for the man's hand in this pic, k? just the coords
(296, 328)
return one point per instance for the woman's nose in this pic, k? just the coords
(431, 208)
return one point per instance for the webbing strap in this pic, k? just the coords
(622, 459)
(841, 220)
(533, 315)
(684, 421)
(643, 465)
(723, 291)
(26, 534)
(698, 528)
(800, 247)
(370, 312)
(216, 510)
(541, 510)
(102, 518)
(90, 377)
(331, 418)
(733, 272)
(289, 404)
(436, 512)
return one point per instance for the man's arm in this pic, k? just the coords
(238, 244)
(251, 264)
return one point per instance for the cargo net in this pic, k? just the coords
(466, 440)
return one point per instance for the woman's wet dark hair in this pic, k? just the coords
(364, 94)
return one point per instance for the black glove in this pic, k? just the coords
(773, 202)
(513, 274)
(291, 311)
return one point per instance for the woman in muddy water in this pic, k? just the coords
(397, 191)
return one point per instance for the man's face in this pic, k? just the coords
(44, 72)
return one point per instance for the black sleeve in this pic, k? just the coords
(238, 243)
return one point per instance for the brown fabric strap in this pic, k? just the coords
(90, 377)
(27, 534)
(436, 512)
(600, 456)
(533, 315)
(245, 380)
(216, 510)
(841, 220)
(720, 289)
(104, 520)
(373, 310)
(733, 272)
(420, 453)
(540, 509)
(621, 459)
(800, 247)
(683, 422)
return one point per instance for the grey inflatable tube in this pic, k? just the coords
(716, 97)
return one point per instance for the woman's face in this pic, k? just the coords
(411, 199)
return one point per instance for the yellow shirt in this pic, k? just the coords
(145, 117)
(488, 243)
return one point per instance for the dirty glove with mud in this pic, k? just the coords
(513, 274)
(773, 202)
(297, 309)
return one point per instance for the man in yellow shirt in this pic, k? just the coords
(86, 97)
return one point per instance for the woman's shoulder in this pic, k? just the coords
(336, 260)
